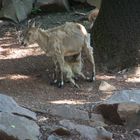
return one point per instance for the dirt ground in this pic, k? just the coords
(25, 73)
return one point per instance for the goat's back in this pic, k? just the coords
(71, 37)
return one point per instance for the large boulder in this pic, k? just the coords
(122, 108)
(16, 123)
(8, 105)
(18, 127)
(16, 10)
(68, 112)
(87, 132)
(71, 112)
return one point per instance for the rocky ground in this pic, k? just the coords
(25, 75)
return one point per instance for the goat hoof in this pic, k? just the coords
(53, 82)
(93, 78)
(60, 84)
(90, 79)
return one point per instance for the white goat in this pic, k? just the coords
(68, 39)
(73, 67)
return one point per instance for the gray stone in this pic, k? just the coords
(104, 86)
(136, 132)
(124, 96)
(123, 105)
(16, 10)
(18, 127)
(97, 117)
(61, 131)
(52, 137)
(97, 120)
(128, 108)
(97, 123)
(68, 112)
(88, 133)
(7, 104)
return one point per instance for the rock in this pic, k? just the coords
(132, 121)
(4, 136)
(104, 86)
(126, 109)
(122, 108)
(136, 132)
(52, 137)
(87, 132)
(97, 123)
(62, 131)
(18, 127)
(7, 104)
(16, 10)
(68, 112)
(97, 117)
(124, 96)
(96, 120)
(53, 5)
(109, 112)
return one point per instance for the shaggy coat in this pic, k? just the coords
(65, 40)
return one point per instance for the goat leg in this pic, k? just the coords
(70, 76)
(60, 60)
(54, 79)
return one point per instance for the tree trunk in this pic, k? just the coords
(116, 34)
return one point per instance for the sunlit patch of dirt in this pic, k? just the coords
(133, 80)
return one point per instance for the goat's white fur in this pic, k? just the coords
(65, 40)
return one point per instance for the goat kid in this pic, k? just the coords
(68, 39)
(73, 68)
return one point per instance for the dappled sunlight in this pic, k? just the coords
(14, 77)
(6, 38)
(18, 77)
(20, 52)
(11, 49)
(133, 80)
(105, 77)
(70, 102)
(6, 45)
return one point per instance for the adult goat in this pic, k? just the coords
(68, 39)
